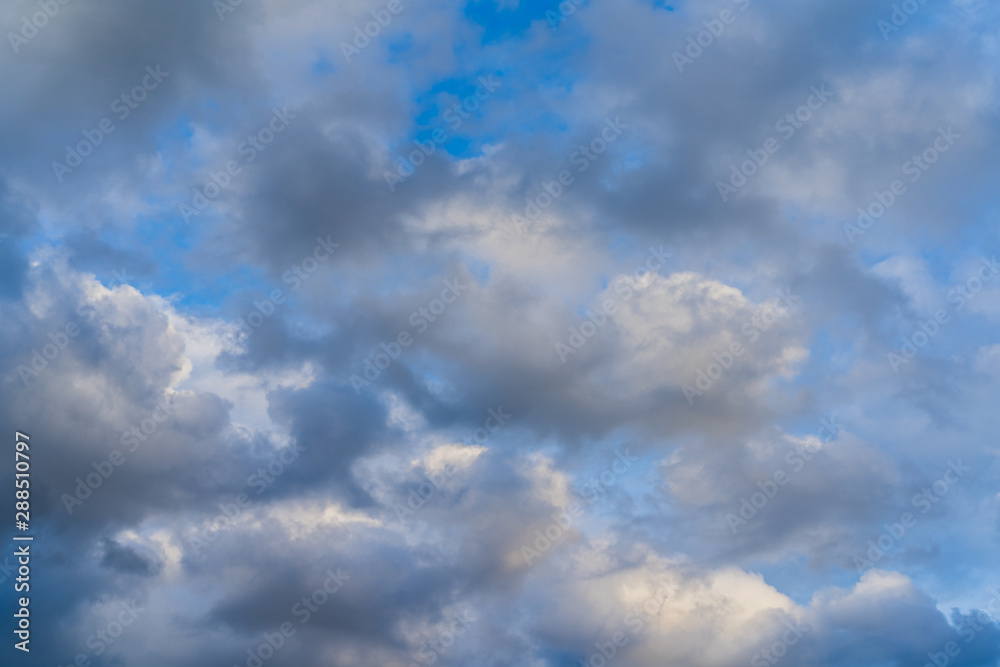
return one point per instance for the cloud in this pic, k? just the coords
(585, 443)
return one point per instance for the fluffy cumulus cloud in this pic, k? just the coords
(501, 333)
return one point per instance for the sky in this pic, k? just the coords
(501, 332)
